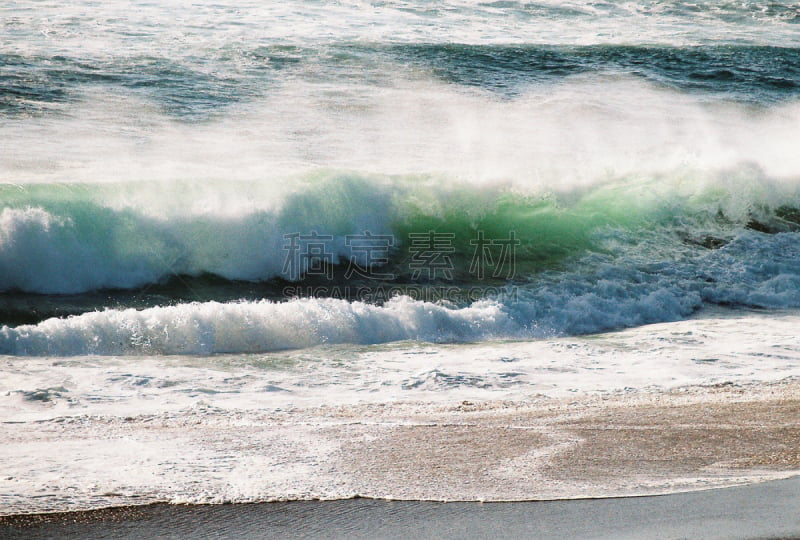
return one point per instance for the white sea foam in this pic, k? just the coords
(597, 296)
(578, 131)
(91, 431)
(228, 25)
(723, 346)
(207, 328)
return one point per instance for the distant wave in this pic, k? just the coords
(184, 90)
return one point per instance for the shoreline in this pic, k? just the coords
(761, 510)
(590, 446)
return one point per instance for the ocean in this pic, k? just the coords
(210, 210)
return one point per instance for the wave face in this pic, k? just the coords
(491, 170)
(78, 238)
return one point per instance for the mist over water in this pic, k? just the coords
(641, 153)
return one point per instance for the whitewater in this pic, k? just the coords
(213, 211)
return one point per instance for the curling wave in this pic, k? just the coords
(77, 238)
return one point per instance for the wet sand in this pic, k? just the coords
(602, 447)
(765, 510)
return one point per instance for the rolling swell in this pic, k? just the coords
(745, 73)
(184, 89)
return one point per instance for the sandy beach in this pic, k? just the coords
(603, 447)
(764, 510)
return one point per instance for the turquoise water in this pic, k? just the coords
(558, 161)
